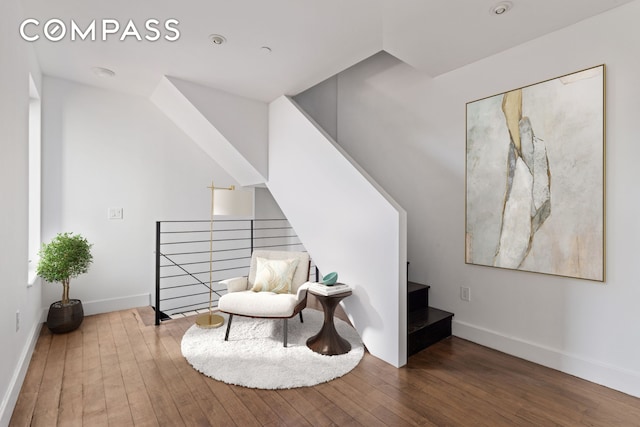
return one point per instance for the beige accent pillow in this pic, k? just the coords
(274, 275)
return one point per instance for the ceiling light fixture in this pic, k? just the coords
(265, 50)
(501, 8)
(217, 39)
(105, 73)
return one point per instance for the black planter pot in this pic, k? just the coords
(65, 318)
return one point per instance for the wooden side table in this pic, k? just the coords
(328, 341)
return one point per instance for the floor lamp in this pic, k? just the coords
(232, 203)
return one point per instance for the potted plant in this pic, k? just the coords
(65, 257)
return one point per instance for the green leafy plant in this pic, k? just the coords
(67, 256)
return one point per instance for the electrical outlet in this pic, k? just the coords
(465, 294)
(17, 320)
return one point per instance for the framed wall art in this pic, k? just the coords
(535, 177)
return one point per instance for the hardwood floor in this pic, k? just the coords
(120, 370)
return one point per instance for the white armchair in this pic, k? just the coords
(275, 288)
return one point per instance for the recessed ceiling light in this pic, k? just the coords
(265, 50)
(501, 8)
(217, 39)
(103, 72)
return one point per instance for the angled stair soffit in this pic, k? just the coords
(179, 100)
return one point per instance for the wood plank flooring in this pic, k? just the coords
(120, 370)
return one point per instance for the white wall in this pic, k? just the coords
(408, 131)
(17, 346)
(321, 103)
(346, 223)
(266, 206)
(105, 149)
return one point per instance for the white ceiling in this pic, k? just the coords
(311, 40)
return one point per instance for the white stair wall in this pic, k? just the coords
(347, 223)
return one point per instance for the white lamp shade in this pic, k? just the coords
(237, 202)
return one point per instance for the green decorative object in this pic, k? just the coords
(330, 279)
(65, 257)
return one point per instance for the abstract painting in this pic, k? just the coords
(535, 177)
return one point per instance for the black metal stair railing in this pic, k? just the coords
(183, 255)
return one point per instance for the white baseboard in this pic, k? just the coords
(115, 304)
(10, 399)
(620, 379)
(109, 304)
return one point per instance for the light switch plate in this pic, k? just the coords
(115, 213)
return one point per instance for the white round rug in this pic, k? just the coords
(255, 357)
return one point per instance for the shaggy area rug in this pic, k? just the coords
(254, 356)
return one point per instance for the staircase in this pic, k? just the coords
(425, 325)
(249, 139)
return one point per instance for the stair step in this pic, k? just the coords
(414, 286)
(417, 296)
(426, 327)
